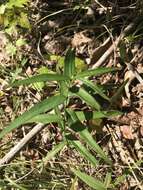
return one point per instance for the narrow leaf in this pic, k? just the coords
(45, 118)
(86, 136)
(43, 106)
(84, 152)
(23, 21)
(64, 88)
(52, 153)
(123, 51)
(107, 181)
(117, 95)
(88, 115)
(40, 78)
(85, 96)
(69, 64)
(13, 184)
(96, 72)
(95, 88)
(89, 180)
(74, 184)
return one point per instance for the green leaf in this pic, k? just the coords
(88, 115)
(89, 139)
(40, 107)
(23, 21)
(95, 88)
(80, 65)
(91, 115)
(11, 49)
(61, 123)
(16, 73)
(85, 96)
(2, 20)
(59, 59)
(45, 118)
(123, 51)
(40, 85)
(89, 180)
(69, 64)
(52, 153)
(11, 29)
(83, 151)
(16, 3)
(120, 179)
(2, 9)
(40, 78)
(85, 135)
(20, 42)
(117, 95)
(74, 184)
(64, 88)
(96, 72)
(43, 70)
(13, 184)
(107, 181)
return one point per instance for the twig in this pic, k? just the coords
(52, 14)
(107, 53)
(11, 154)
(96, 1)
(110, 50)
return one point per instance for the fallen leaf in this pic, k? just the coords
(141, 131)
(79, 39)
(127, 132)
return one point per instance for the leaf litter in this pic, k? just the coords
(122, 136)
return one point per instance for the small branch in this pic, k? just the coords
(11, 154)
(110, 50)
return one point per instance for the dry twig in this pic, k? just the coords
(11, 154)
(110, 50)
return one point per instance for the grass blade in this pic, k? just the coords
(89, 180)
(14, 184)
(40, 78)
(52, 153)
(96, 72)
(69, 64)
(117, 95)
(77, 126)
(87, 137)
(107, 181)
(85, 96)
(84, 152)
(43, 106)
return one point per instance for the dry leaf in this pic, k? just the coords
(126, 132)
(141, 131)
(79, 39)
(8, 109)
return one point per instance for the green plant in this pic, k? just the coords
(69, 88)
(13, 13)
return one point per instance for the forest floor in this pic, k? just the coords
(98, 30)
